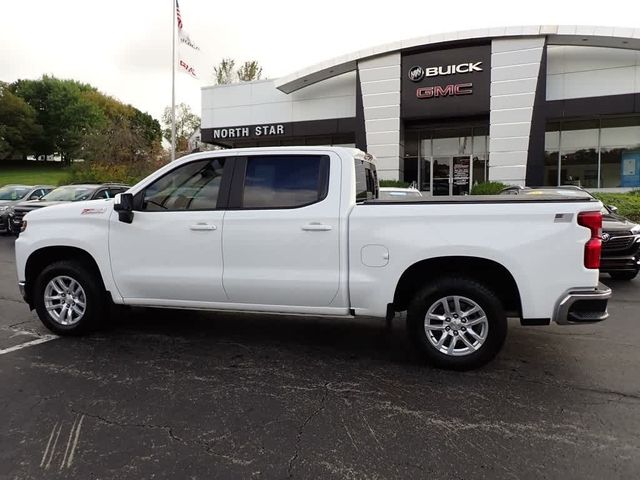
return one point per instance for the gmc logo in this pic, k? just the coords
(445, 91)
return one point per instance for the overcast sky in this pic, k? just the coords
(124, 47)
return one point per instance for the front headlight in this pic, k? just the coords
(635, 230)
(4, 208)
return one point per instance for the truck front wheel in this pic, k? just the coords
(68, 299)
(457, 323)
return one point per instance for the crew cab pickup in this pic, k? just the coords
(302, 231)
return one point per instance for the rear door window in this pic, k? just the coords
(285, 181)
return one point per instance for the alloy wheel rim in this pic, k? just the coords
(456, 326)
(65, 300)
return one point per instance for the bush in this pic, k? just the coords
(488, 188)
(628, 203)
(394, 183)
(99, 172)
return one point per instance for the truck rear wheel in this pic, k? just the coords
(457, 323)
(68, 299)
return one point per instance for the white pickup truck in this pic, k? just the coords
(301, 231)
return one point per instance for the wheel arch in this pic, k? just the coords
(487, 272)
(44, 256)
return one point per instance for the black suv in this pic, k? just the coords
(620, 236)
(65, 194)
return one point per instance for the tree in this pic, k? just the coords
(249, 71)
(186, 124)
(127, 135)
(224, 71)
(64, 112)
(18, 127)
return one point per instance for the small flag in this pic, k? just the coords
(178, 16)
(186, 49)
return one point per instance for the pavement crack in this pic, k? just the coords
(167, 428)
(313, 414)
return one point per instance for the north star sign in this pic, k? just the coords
(247, 132)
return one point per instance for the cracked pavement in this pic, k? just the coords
(174, 394)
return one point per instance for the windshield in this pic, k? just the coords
(13, 193)
(68, 194)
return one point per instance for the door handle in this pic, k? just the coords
(316, 227)
(202, 227)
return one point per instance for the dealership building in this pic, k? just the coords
(534, 105)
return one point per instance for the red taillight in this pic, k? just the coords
(593, 248)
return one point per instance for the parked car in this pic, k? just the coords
(10, 195)
(304, 233)
(387, 193)
(64, 194)
(620, 236)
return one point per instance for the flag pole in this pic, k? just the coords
(173, 83)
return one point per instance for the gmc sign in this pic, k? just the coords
(445, 91)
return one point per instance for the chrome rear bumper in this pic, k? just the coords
(583, 306)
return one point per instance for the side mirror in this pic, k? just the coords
(35, 196)
(612, 208)
(123, 204)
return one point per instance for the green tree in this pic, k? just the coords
(64, 112)
(148, 128)
(127, 135)
(223, 73)
(18, 127)
(249, 71)
(187, 123)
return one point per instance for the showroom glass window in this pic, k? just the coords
(426, 150)
(579, 154)
(620, 138)
(193, 186)
(590, 153)
(285, 181)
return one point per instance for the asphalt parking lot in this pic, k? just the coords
(172, 394)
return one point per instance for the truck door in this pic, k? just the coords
(172, 249)
(281, 235)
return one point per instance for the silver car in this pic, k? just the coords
(10, 195)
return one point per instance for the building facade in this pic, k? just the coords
(534, 105)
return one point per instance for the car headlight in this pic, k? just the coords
(4, 209)
(635, 230)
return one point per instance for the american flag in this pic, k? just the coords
(178, 16)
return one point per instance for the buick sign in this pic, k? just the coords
(606, 237)
(416, 74)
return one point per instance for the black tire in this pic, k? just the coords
(96, 308)
(624, 275)
(496, 323)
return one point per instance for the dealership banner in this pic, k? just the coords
(446, 83)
